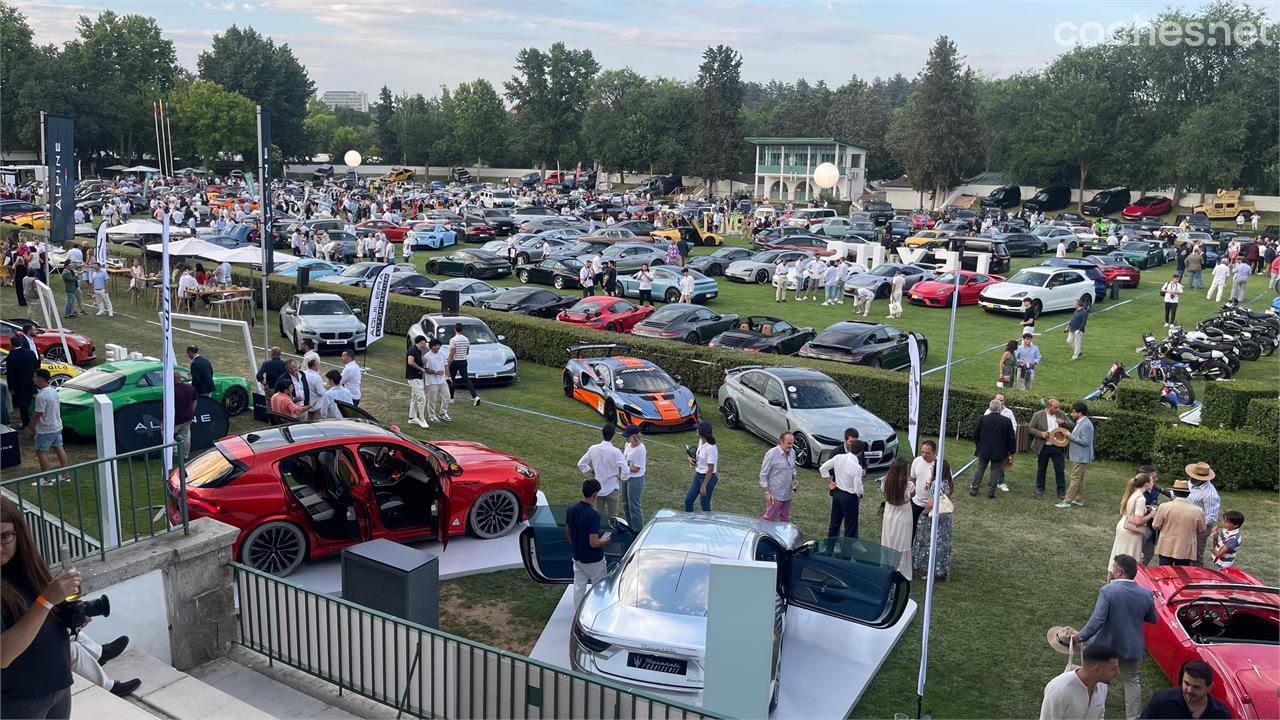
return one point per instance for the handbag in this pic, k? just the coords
(945, 506)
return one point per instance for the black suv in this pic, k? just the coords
(880, 212)
(1005, 196)
(1107, 202)
(660, 185)
(1054, 197)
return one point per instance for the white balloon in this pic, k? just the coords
(353, 159)
(826, 175)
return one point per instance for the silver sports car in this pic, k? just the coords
(645, 623)
(771, 400)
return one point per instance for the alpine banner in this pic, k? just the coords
(378, 296)
(60, 132)
(913, 393)
(100, 247)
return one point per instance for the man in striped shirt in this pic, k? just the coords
(459, 349)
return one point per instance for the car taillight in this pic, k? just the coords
(202, 507)
(668, 333)
(752, 349)
(804, 347)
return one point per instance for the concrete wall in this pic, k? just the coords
(139, 609)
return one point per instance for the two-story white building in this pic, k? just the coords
(784, 167)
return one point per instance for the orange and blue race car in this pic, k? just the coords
(629, 391)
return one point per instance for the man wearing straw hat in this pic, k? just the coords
(1180, 524)
(1050, 429)
(1204, 496)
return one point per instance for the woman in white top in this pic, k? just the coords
(923, 529)
(1171, 290)
(895, 530)
(1134, 513)
(704, 462)
(645, 280)
(137, 281)
(636, 457)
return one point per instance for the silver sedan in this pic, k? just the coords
(759, 268)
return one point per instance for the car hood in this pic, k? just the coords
(488, 357)
(747, 265)
(1008, 290)
(331, 323)
(677, 403)
(931, 287)
(476, 458)
(867, 280)
(823, 422)
(341, 279)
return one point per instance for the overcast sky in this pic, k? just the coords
(418, 45)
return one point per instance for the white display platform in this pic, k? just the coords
(826, 663)
(466, 555)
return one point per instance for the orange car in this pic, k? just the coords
(38, 220)
(227, 202)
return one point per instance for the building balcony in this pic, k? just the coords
(801, 170)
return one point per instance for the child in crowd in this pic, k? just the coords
(1226, 539)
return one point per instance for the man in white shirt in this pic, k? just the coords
(351, 376)
(437, 370)
(1081, 694)
(844, 473)
(1220, 273)
(187, 286)
(223, 276)
(1062, 249)
(686, 286)
(605, 463)
(586, 279)
(922, 471)
(315, 388)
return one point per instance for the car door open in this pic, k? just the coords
(847, 578)
(545, 550)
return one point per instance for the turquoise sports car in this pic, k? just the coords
(666, 285)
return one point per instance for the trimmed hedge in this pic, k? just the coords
(1242, 461)
(1263, 417)
(1226, 403)
(1138, 395)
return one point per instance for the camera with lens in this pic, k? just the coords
(75, 614)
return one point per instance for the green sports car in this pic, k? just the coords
(1141, 254)
(133, 381)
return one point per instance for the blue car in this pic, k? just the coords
(629, 391)
(431, 237)
(319, 268)
(666, 285)
(437, 185)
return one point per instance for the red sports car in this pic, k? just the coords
(1149, 206)
(306, 490)
(394, 233)
(921, 220)
(604, 312)
(1225, 618)
(1115, 268)
(937, 293)
(49, 344)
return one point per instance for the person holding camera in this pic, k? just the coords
(35, 655)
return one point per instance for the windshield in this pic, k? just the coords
(946, 279)
(1134, 246)
(96, 382)
(477, 334)
(885, 271)
(587, 307)
(324, 307)
(724, 252)
(816, 394)
(644, 380)
(669, 313)
(1026, 277)
(767, 257)
(357, 270)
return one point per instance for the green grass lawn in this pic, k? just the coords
(1020, 565)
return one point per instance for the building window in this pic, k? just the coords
(828, 157)
(775, 157)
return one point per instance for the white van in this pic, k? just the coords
(497, 198)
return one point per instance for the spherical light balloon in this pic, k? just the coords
(353, 159)
(826, 175)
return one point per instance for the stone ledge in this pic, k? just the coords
(159, 553)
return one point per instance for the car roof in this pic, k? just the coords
(717, 534)
(857, 326)
(794, 373)
(318, 296)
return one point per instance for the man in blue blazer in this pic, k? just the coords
(1123, 605)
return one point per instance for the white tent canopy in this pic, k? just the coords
(142, 168)
(138, 227)
(115, 167)
(247, 255)
(191, 247)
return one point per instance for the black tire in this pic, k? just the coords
(1250, 351)
(613, 327)
(1186, 391)
(235, 401)
(56, 353)
(715, 269)
(882, 291)
(469, 271)
(1037, 306)
(1216, 370)
(762, 276)
(522, 258)
(691, 338)
(277, 548)
(557, 282)
(523, 275)
(924, 351)
(874, 363)
(567, 383)
(433, 267)
(1144, 370)
(672, 296)
(804, 454)
(730, 412)
(56, 381)
(610, 412)
(493, 514)
(1086, 300)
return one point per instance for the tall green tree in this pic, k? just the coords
(935, 135)
(718, 143)
(248, 63)
(19, 54)
(476, 120)
(549, 91)
(211, 123)
(1210, 146)
(383, 112)
(616, 126)
(417, 125)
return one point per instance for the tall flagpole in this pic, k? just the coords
(166, 327)
(163, 139)
(937, 491)
(155, 119)
(264, 211)
(168, 126)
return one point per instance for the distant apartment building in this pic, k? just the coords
(354, 99)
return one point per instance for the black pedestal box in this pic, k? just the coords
(393, 578)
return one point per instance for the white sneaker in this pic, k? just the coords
(839, 302)
(1003, 487)
(432, 418)
(44, 482)
(477, 400)
(422, 424)
(446, 418)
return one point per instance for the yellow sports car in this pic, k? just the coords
(59, 372)
(38, 220)
(925, 237)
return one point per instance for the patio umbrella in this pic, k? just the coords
(142, 168)
(191, 247)
(247, 255)
(115, 167)
(136, 227)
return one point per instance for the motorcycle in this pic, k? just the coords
(1228, 352)
(1107, 390)
(1165, 361)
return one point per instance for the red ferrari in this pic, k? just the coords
(937, 293)
(1149, 206)
(1116, 269)
(307, 490)
(604, 312)
(49, 344)
(394, 233)
(1225, 618)
(921, 220)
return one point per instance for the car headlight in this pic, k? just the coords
(693, 402)
(826, 440)
(526, 471)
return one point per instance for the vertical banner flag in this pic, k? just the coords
(265, 240)
(100, 246)
(913, 393)
(166, 329)
(380, 292)
(248, 183)
(60, 132)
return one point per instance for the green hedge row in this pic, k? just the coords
(1227, 403)
(1263, 417)
(1242, 461)
(1137, 395)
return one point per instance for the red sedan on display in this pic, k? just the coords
(394, 233)
(1149, 206)
(937, 293)
(604, 312)
(306, 490)
(49, 343)
(1116, 269)
(921, 220)
(1225, 618)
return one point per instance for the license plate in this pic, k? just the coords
(654, 663)
(484, 375)
(1123, 277)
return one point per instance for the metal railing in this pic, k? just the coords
(417, 670)
(72, 517)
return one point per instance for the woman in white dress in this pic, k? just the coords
(1134, 514)
(137, 281)
(895, 531)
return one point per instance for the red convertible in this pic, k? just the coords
(604, 312)
(306, 490)
(1225, 618)
(937, 293)
(49, 344)
(394, 233)
(1149, 206)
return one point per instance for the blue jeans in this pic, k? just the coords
(632, 490)
(1197, 280)
(831, 293)
(703, 500)
(70, 307)
(839, 292)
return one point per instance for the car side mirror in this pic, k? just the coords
(856, 398)
(358, 311)
(502, 338)
(776, 402)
